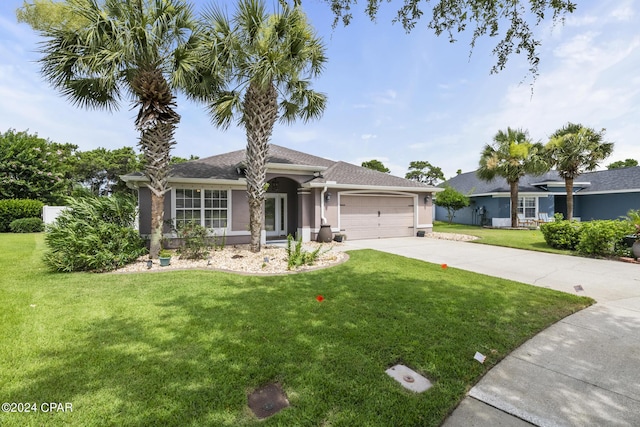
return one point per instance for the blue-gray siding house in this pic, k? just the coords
(607, 194)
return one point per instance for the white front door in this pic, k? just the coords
(275, 214)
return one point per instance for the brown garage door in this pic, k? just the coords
(372, 217)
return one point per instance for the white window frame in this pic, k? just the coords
(522, 207)
(202, 207)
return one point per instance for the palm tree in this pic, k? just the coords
(125, 48)
(259, 68)
(575, 149)
(511, 156)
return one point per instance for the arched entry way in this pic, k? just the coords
(281, 208)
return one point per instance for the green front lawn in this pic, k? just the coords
(532, 240)
(185, 348)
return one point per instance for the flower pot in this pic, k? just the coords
(164, 261)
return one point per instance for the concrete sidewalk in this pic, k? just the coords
(582, 371)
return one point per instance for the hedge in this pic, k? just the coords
(12, 209)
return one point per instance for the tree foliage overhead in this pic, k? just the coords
(99, 170)
(627, 163)
(33, 167)
(512, 21)
(423, 171)
(375, 165)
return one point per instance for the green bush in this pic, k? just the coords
(194, 241)
(296, 256)
(94, 234)
(12, 209)
(561, 234)
(27, 225)
(603, 237)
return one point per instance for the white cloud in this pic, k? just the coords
(623, 12)
(367, 136)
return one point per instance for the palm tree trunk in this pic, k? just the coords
(156, 144)
(260, 114)
(568, 185)
(513, 186)
(157, 123)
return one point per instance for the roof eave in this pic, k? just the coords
(280, 167)
(137, 180)
(332, 184)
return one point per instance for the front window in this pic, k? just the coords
(527, 206)
(208, 208)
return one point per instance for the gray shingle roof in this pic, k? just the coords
(600, 181)
(346, 173)
(224, 166)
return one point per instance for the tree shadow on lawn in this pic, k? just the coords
(191, 356)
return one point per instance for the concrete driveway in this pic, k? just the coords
(582, 371)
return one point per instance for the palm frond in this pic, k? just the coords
(223, 107)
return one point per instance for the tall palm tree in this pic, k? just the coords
(135, 49)
(511, 156)
(573, 150)
(259, 67)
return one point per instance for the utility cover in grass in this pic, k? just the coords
(409, 378)
(267, 400)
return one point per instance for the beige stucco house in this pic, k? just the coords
(305, 192)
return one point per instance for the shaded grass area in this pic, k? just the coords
(185, 348)
(532, 240)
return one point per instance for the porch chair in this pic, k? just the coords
(543, 218)
(524, 222)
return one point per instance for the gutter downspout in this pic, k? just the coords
(323, 219)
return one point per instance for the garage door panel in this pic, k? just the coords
(370, 217)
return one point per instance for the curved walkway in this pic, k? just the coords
(582, 371)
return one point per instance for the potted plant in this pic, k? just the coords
(164, 257)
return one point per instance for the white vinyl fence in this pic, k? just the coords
(50, 213)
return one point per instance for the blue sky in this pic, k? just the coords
(393, 96)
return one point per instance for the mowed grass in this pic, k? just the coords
(185, 348)
(532, 240)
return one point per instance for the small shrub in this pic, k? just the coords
(12, 209)
(94, 234)
(296, 256)
(561, 234)
(164, 253)
(603, 237)
(194, 241)
(27, 225)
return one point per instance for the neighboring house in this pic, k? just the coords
(304, 193)
(607, 194)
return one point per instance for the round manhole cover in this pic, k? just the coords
(408, 378)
